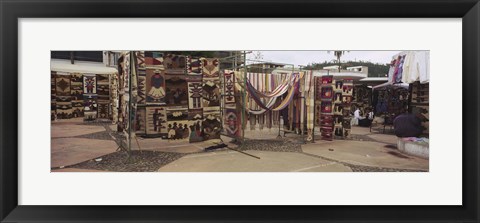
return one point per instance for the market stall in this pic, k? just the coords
(81, 90)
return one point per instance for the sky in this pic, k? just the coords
(306, 57)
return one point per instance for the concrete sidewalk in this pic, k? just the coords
(74, 142)
(233, 161)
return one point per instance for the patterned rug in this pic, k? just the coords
(211, 67)
(53, 96)
(90, 107)
(195, 92)
(89, 84)
(63, 100)
(212, 123)
(195, 118)
(141, 87)
(155, 86)
(175, 64)
(156, 121)
(211, 92)
(153, 58)
(176, 90)
(194, 66)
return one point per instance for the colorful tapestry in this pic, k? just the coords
(347, 99)
(175, 64)
(232, 122)
(114, 99)
(211, 92)
(126, 73)
(76, 90)
(124, 97)
(176, 88)
(195, 117)
(103, 96)
(76, 87)
(64, 107)
(89, 84)
(155, 86)
(212, 123)
(90, 107)
(63, 100)
(103, 109)
(140, 121)
(195, 92)
(103, 88)
(229, 87)
(326, 107)
(177, 124)
(142, 84)
(140, 56)
(62, 83)
(194, 66)
(211, 67)
(310, 103)
(53, 96)
(153, 58)
(156, 121)
(53, 84)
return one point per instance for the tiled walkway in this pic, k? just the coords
(79, 146)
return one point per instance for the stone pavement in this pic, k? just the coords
(366, 153)
(233, 161)
(76, 144)
(73, 141)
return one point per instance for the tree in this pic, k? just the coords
(257, 55)
(338, 54)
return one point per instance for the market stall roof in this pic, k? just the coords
(80, 67)
(341, 75)
(374, 79)
(389, 84)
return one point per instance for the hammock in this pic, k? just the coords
(253, 92)
(279, 90)
(283, 104)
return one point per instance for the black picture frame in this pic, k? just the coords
(11, 11)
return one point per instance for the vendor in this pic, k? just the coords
(367, 120)
(356, 117)
(408, 125)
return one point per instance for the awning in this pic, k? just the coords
(80, 67)
(392, 85)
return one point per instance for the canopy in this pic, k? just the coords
(390, 84)
(80, 67)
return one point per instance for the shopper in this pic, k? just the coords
(408, 125)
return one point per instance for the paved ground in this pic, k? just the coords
(232, 161)
(86, 147)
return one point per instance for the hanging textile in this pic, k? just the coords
(326, 107)
(103, 96)
(76, 92)
(90, 96)
(260, 103)
(232, 116)
(53, 96)
(278, 91)
(309, 101)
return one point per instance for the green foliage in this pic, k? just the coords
(374, 69)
